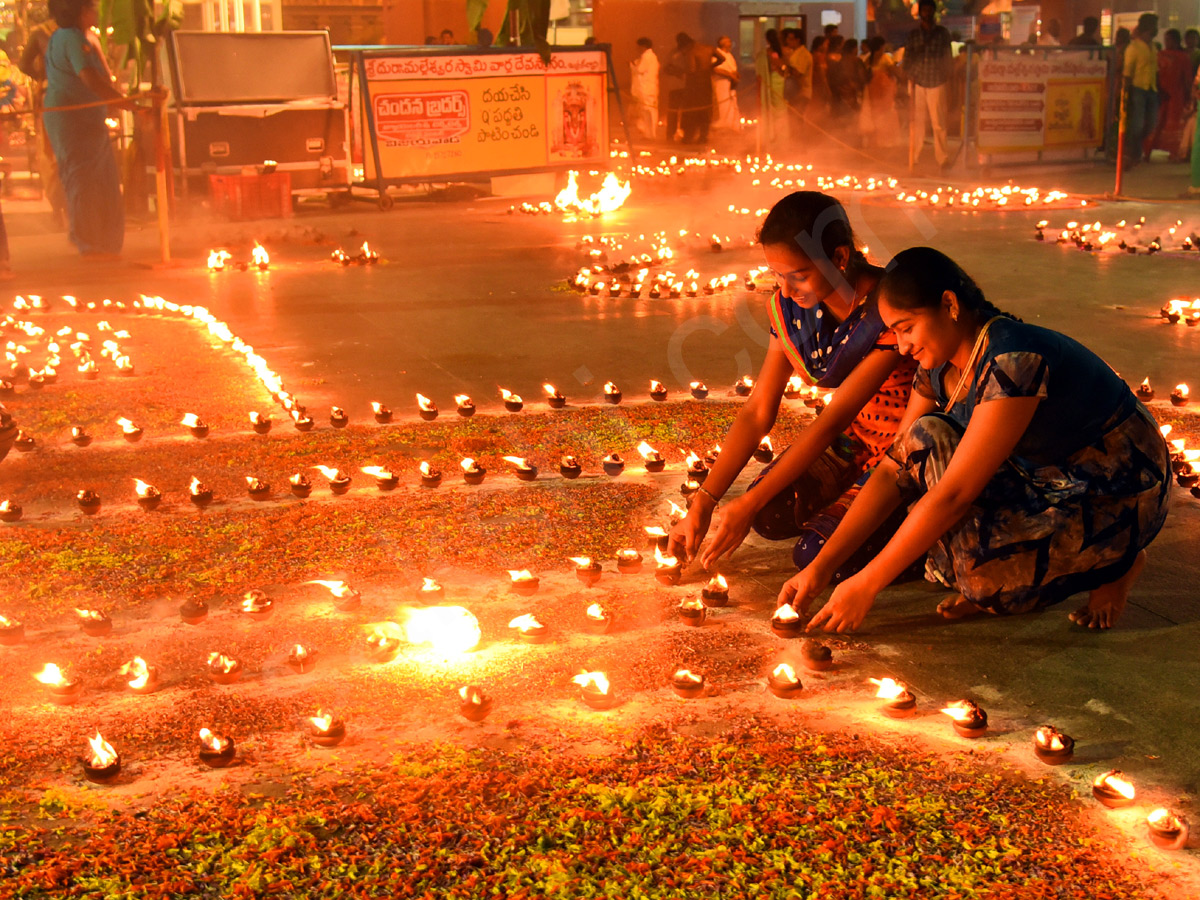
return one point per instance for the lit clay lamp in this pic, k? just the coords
(345, 598)
(143, 678)
(89, 502)
(522, 582)
(786, 622)
(1180, 396)
(587, 570)
(148, 496)
(260, 423)
(1113, 789)
(12, 632)
(7, 388)
(339, 482)
(554, 399)
(715, 594)
(692, 612)
(687, 684)
(613, 465)
(200, 495)
(216, 750)
(598, 619)
(325, 730)
(10, 512)
(385, 480)
(699, 390)
(629, 561)
(381, 646)
(813, 398)
(430, 477)
(784, 683)
(427, 408)
(300, 659)
(765, 451)
(80, 437)
(430, 591)
(900, 703)
(302, 421)
(1053, 747)
(594, 689)
(656, 537)
(744, 387)
(794, 388)
(93, 622)
(464, 405)
(474, 705)
(697, 469)
(194, 425)
(300, 485)
(223, 669)
(1186, 472)
(512, 402)
(815, 656)
(338, 417)
(1167, 830)
(102, 764)
(257, 605)
(668, 569)
(612, 393)
(969, 718)
(473, 473)
(383, 415)
(658, 391)
(653, 459)
(193, 611)
(570, 467)
(257, 489)
(525, 471)
(24, 442)
(62, 691)
(529, 629)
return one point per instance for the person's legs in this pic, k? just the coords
(1136, 114)
(674, 103)
(916, 125)
(1195, 185)
(91, 182)
(937, 119)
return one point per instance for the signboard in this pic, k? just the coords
(440, 115)
(1041, 101)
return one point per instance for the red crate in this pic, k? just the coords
(251, 196)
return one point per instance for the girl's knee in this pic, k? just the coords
(807, 548)
(776, 521)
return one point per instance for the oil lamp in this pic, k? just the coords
(466, 407)
(784, 683)
(1167, 830)
(6, 388)
(430, 477)
(743, 387)
(384, 480)
(524, 470)
(474, 705)
(699, 390)
(10, 511)
(449, 630)
(223, 669)
(612, 393)
(900, 703)
(969, 718)
(785, 622)
(260, 423)
(613, 465)
(302, 421)
(523, 582)
(1053, 747)
(89, 502)
(427, 408)
(687, 684)
(530, 630)
(93, 622)
(594, 689)
(338, 417)
(102, 764)
(697, 470)
(193, 611)
(143, 678)
(554, 399)
(345, 598)
(216, 750)
(200, 495)
(257, 489)
(715, 594)
(430, 591)
(260, 258)
(366, 256)
(300, 659)
(656, 537)
(598, 619)
(658, 391)
(570, 467)
(629, 561)
(512, 402)
(764, 452)
(382, 646)
(257, 605)
(325, 730)
(12, 632)
(217, 260)
(654, 460)
(339, 482)
(711, 455)
(62, 691)
(587, 570)
(473, 473)
(1144, 392)
(1113, 789)
(383, 415)
(88, 370)
(79, 436)
(1179, 396)
(300, 485)
(692, 612)
(194, 425)
(148, 496)
(668, 569)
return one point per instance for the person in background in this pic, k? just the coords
(1141, 88)
(818, 107)
(880, 122)
(33, 64)
(1090, 36)
(1174, 96)
(1116, 92)
(800, 70)
(847, 81)
(1191, 43)
(484, 38)
(1194, 188)
(676, 71)
(701, 60)
(927, 63)
(447, 37)
(771, 69)
(644, 87)
(726, 117)
(1049, 36)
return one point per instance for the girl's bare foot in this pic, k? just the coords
(1105, 604)
(957, 607)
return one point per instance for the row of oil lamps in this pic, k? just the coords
(81, 347)
(1096, 237)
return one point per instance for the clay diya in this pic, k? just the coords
(382, 414)
(260, 423)
(699, 390)
(598, 620)
(765, 451)
(687, 684)
(465, 406)
(969, 718)
(594, 689)
(629, 562)
(715, 594)
(427, 408)
(148, 496)
(430, 477)
(89, 502)
(815, 656)
(61, 690)
(300, 659)
(474, 705)
(473, 473)
(743, 387)
(554, 399)
(899, 701)
(325, 730)
(12, 631)
(587, 570)
(668, 570)
(692, 612)
(93, 622)
(1167, 830)
(338, 417)
(525, 471)
(529, 629)
(80, 437)
(570, 467)
(613, 465)
(200, 495)
(786, 622)
(102, 764)
(1180, 396)
(195, 426)
(522, 582)
(216, 750)
(612, 393)
(223, 669)
(1113, 789)
(10, 511)
(339, 481)
(385, 480)
(143, 678)
(653, 459)
(193, 611)
(658, 391)
(300, 485)
(1053, 747)
(257, 605)
(784, 683)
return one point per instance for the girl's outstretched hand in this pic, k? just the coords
(846, 609)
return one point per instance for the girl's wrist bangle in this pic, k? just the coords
(707, 493)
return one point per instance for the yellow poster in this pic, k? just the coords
(1074, 113)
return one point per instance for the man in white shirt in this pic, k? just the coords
(725, 80)
(644, 87)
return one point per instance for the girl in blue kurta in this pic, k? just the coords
(825, 330)
(76, 74)
(1033, 470)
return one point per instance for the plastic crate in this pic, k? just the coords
(241, 197)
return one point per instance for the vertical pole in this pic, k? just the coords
(161, 161)
(964, 147)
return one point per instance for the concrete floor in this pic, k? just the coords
(467, 301)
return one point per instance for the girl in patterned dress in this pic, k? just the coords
(824, 330)
(1033, 471)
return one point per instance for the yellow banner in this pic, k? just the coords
(1074, 113)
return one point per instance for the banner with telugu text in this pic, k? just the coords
(439, 116)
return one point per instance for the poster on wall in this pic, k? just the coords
(439, 115)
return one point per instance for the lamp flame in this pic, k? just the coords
(377, 472)
(51, 675)
(339, 589)
(139, 672)
(1116, 781)
(190, 420)
(597, 612)
(785, 613)
(646, 450)
(425, 403)
(888, 688)
(527, 622)
(520, 575)
(784, 672)
(688, 675)
(221, 663)
(664, 562)
(448, 629)
(103, 754)
(596, 681)
(322, 721)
